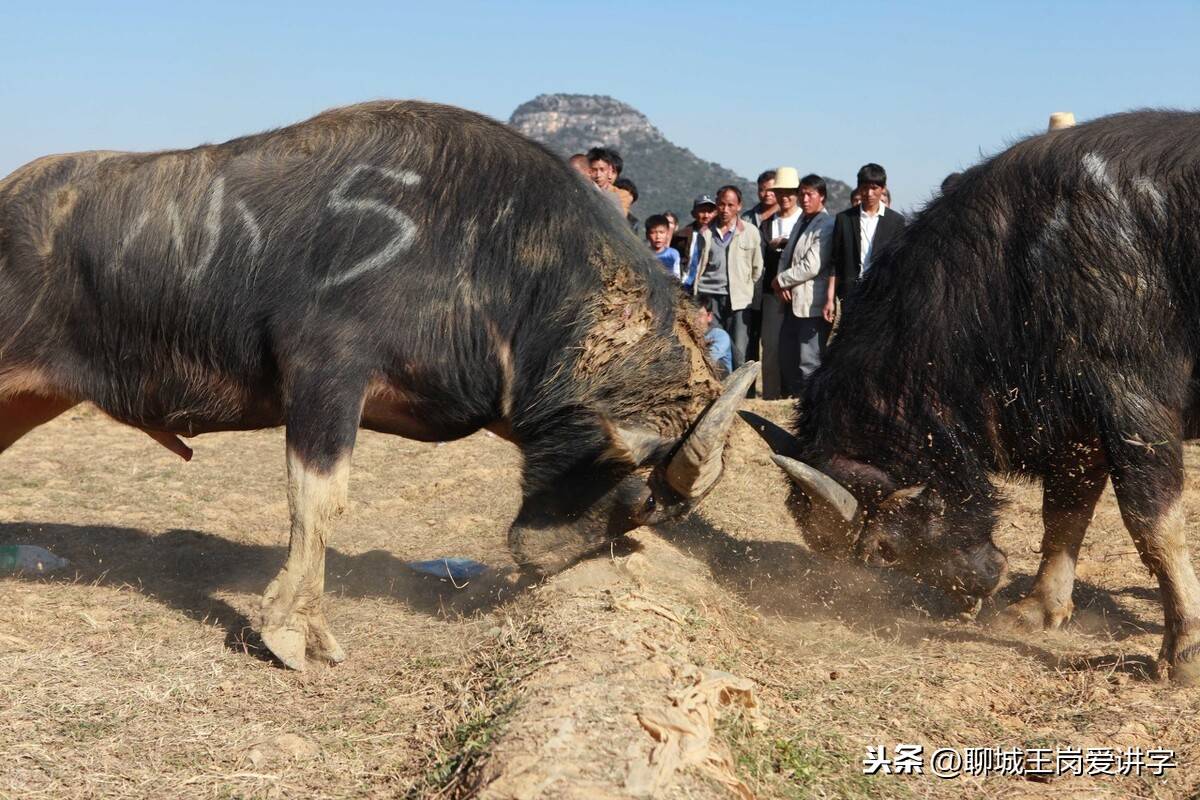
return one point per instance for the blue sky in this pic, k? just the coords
(922, 88)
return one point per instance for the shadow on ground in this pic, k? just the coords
(187, 569)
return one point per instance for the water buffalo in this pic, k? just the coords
(400, 266)
(1041, 319)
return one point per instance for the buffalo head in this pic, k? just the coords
(852, 507)
(640, 478)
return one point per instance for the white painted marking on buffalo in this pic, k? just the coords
(130, 235)
(212, 225)
(176, 222)
(1158, 203)
(406, 229)
(1097, 169)
(256, 237)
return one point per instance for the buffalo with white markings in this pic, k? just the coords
(1040, 319)
(404, 267)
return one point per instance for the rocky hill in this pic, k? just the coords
(667, 176)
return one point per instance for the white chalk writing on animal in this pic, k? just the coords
(256, 238)
(406, 229)
(211, 225)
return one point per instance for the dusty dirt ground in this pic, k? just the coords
(714, 658)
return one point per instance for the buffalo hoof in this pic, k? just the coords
(303, 636)
(1033, 614)
(1183, 666)
(288, 645)
(1186, 673)
(321, 642)
(968, 608)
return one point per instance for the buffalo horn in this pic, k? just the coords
(822, 490)
(696, 466)
(639, 445)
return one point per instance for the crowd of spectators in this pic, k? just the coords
(767, 279)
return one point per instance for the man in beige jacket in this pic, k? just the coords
(729, 277)
(804, 287)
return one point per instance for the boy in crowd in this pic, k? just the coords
(674, 220)
(658, 233)
(605, 166)
(687, 240)
(720, 346)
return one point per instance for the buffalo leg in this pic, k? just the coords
(1148, 481)
(1068, 501)
(319, 446)
(21, 413)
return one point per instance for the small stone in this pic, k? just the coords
(284, 747)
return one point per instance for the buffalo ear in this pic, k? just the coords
(920, 496)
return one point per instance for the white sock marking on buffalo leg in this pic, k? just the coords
(292, 617)
(314, 499)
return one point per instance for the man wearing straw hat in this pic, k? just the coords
(778, 234)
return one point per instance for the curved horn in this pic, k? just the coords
(638, 445)
(830, 523)
(697, 464)
(820, 488)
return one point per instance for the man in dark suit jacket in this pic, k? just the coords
(860, 231)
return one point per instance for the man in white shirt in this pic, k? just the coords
(860, 232)
(776, 232)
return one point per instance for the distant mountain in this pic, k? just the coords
(667, 176)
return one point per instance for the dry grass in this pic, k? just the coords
(482, 702)
(137, 674)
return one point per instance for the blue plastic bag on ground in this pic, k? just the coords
(456, 569)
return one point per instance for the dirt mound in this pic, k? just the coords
(624, 708)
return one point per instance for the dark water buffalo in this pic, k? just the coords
(1041, 319)
(403, 267)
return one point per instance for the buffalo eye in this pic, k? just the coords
(646, 510)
